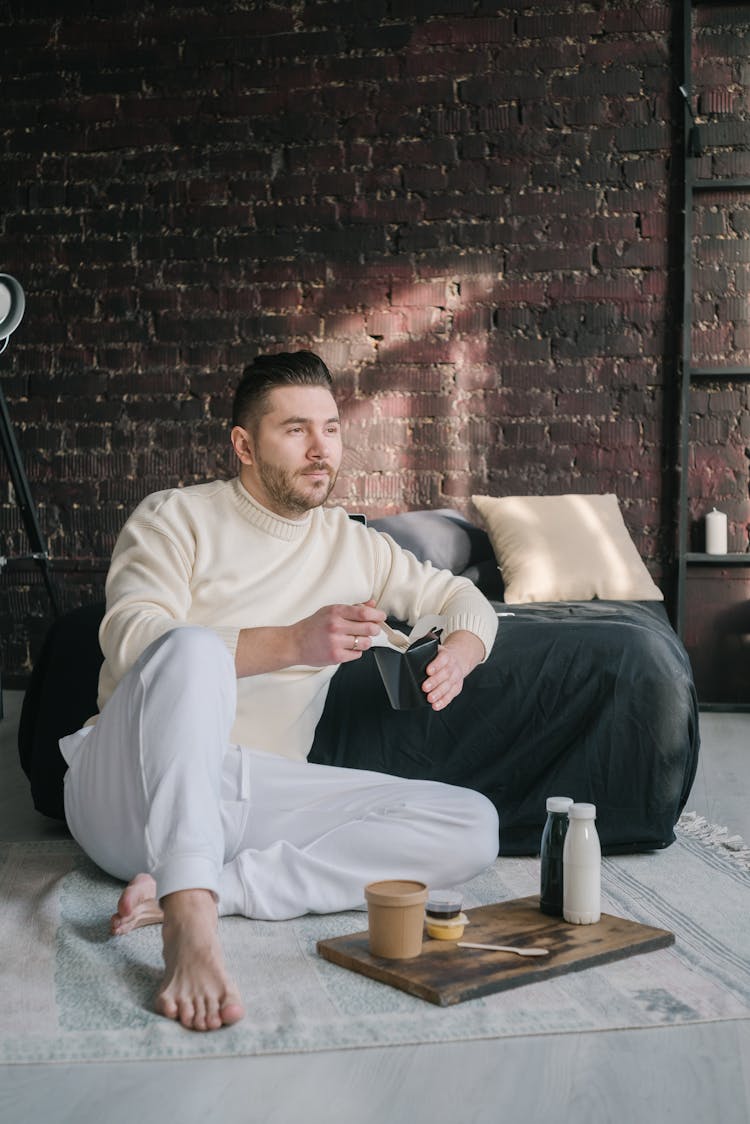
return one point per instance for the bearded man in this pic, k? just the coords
(230, 606)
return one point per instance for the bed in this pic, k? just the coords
(590, 698)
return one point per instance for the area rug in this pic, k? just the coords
(70, 992)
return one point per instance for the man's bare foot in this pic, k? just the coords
(137, 906)
(196, 989)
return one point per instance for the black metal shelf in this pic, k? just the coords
(693, 374)
(690, 374)
(697, 559)
(724, 373)
(725, 708)
(732, 183)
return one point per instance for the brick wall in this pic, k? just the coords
(463, 206)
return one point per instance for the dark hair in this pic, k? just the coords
(265, 373)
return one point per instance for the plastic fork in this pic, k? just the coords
(504, 948)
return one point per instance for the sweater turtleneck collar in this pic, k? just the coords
(265, 520)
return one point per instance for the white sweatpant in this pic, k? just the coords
(156, 786)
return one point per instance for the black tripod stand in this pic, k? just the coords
(12, 455)
(11, 311)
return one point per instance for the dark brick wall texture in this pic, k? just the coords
(469, 209)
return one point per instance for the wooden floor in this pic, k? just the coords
(690, 1074)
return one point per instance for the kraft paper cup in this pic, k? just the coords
(395, 918)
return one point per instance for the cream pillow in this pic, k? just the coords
(564, 548)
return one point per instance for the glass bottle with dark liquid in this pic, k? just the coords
(553, 839)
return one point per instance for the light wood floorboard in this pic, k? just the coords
(690, 1075)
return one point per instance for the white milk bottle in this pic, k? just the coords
(582, 865)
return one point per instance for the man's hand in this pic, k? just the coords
(327, 637)
(336, 634)
(459, 655)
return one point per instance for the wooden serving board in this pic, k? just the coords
(445, 974)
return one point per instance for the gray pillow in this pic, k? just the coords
(442, 537)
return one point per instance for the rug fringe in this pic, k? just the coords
(690, 823)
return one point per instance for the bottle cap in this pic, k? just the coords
(559, 803)
(582, 812)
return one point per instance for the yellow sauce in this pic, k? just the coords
(444, 929)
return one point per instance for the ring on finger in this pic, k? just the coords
(355, 643)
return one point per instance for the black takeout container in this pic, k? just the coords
(403, 673)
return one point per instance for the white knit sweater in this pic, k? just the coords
(210, 555)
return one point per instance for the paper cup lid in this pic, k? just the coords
(396, 891)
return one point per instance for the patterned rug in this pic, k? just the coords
(72, 993)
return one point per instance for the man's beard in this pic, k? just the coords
(280, 484)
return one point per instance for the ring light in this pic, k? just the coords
(12, 305)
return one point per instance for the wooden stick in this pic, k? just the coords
(505, 948)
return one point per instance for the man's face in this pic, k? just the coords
(290, 464)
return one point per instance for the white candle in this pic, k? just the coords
(716, 532)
